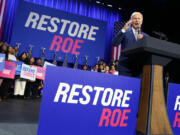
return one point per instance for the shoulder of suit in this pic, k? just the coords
(129, 29)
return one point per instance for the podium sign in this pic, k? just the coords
(77, 102)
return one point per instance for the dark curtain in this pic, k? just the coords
(73, 6)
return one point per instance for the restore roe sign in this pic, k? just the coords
(88, 103)
(58, 30)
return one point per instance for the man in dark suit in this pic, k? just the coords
(129, 34)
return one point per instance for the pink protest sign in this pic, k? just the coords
(40, 74)
(9, 70)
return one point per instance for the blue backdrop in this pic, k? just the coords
(73, 6)
(66, 32)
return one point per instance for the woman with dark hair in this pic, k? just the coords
(101, 68)
(95, 69)
(1, 43)
(6, 84)
(23, 57)
(29, 84)
(113, 70)
(38, 84)
(3, 49)
(11, 54)
(20, 83)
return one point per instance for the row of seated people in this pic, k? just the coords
(26, 89)
(104, 68)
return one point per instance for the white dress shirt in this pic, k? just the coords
(135, 32)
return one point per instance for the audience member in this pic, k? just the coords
(26, 88)
(20, 83)
(101, 68)
(29, 83)
(113, 70)
(85, 67)
(38, 84)
(106, 70)
(6, 84)
(11, 54)
(95, 68)
(116, 64)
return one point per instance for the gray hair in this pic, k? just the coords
(134, 13)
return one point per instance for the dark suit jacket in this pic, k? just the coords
(125, 39)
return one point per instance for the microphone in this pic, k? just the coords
(139, 29)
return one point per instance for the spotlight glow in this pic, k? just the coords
(98, 2)
(109, 5)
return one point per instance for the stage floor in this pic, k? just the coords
(19, 117)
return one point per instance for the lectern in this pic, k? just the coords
(151, 55)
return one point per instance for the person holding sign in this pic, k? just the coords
(38, 84)
(11, 54)
(29, 84)
(20, 83)
(3, 49)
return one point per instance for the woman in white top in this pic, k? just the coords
(20, 84)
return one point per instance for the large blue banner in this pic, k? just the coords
(79, 102)
(173, 107)
(64, 32)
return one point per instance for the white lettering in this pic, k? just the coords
(117, 97)
(74, 93)
(177, 104)
(43, 22)
(126, 98)
(63, 89)
(84, 92)
(54, 27)
(92, 32)
(109, 98)
(65, 22)
(33, 18)
(76, 25)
